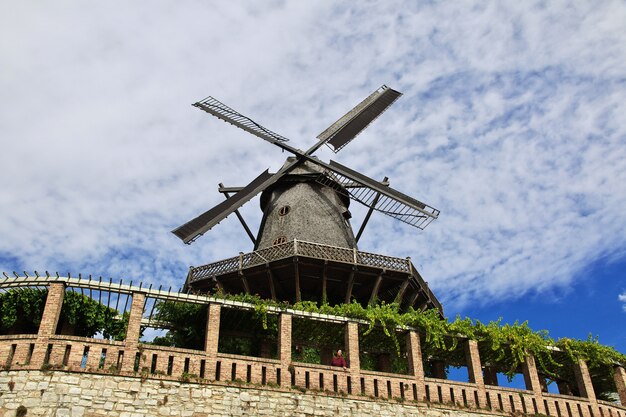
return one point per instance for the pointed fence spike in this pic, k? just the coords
(26, 275)
(47, 274)
(140, 284)
(5, 274)
(58, 276)
(69, 275)
(80, 276)
(15, 273)
(36, 274)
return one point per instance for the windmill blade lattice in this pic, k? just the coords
(382, 198)
(222, 111)
(344, 130)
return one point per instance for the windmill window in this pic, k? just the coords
(279, 240)
(284, 210)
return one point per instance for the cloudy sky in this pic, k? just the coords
(512, 123)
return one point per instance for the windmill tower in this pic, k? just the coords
(305, 247)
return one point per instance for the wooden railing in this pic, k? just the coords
(299, 248)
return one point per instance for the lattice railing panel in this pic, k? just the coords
(331, 253)
(307, 249)
(381, 261)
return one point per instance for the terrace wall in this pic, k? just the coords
(85, 376)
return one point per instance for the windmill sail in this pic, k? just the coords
(340, 133)
(390, 202)
(193, 229)
(222, 111)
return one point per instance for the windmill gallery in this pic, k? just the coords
(254, 334)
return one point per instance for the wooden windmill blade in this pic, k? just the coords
(195, 228)
(229, 115)
(375, 195)
(344, 130)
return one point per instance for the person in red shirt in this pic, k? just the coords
(339, 360)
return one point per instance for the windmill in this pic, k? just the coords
(307, 202)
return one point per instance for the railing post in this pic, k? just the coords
(352, 348)
(531, 378)
(131, 341)
(49, 322)
(416, 366)
(585, 387)
(620, 384)
(295, 246)
(474, 370)
(284, 346)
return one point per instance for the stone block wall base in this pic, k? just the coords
(58, 393)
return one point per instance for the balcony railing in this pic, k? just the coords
(299, 248)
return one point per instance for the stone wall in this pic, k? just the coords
(59, 393)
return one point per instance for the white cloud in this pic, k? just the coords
(622, 298)
(512, 124)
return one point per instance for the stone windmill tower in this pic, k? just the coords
(305, 247)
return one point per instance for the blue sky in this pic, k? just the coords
(512, 123)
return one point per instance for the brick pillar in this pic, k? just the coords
(474, 371)
(352, 347)
(52, 310)
(133, 329)
(134, 320)
(49, 322)
(212, 335)
(284, 347)
(416, 366)
(585, 387)
(531, 378)
(620, 384)
(284, 338)
(583, 379)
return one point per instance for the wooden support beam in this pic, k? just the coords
(270, 281)
(413, 299)
(379, 280)
(325, 283)
(218, 284)
(297, 278)
(244, 282)
(402, 290)
(350, 286)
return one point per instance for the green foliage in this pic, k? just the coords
(187, 321)
(21, 311)
(600, 360)
(87, 317)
